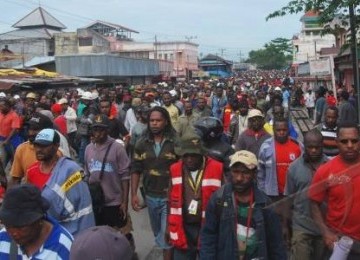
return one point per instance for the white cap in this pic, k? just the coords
(87, 95)
(17, 97)
(2, 94)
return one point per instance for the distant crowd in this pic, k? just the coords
(220, 165)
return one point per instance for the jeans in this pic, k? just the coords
(84, 141)
(158, 219)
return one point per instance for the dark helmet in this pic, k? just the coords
(209, 128)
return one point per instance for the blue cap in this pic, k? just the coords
(46, 137)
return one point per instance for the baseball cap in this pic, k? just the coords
(31, 95)
(40, 121)
(245, 157)
(255, 113)
(56, 108)
(63, 101)
(23, 205)
(189, 145)
(100, 242)
(277, 89)
(2, 94)
(87, 95)
(46, 137)
(101, 121)
(16, 96)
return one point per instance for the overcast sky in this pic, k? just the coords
(227, 26)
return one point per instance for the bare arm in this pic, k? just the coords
(328, 236)
(135, 202)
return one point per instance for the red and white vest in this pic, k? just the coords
(211, 181)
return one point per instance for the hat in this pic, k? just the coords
(87, 95)
(136, 102)
(56, 108)
(189, 145)
(31, 95)
(48, 114)
(40, 121)
(245, 157)
(101, 242)
(46, 137)
(23, 205)
(254, 113)
(2, 94)
(63, 101)
(16, 96)
(101, 120)
(277, 89)
(173, 92)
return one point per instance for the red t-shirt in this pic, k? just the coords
(285, 154)
(36, 177)
(9, 122)
(60, 122)
(335, 183)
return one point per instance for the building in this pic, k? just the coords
(32, 37)
(216, 66)
(308, 43)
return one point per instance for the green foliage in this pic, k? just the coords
(274, 55)
(328, 9)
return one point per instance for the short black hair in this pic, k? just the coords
(333, 108)
(313, 133)
(346, 124)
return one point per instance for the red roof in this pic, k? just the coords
(311, 13)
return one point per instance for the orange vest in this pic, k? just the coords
(211, 181)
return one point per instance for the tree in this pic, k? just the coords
(274, 55)
(328, 9)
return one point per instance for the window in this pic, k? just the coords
(85, 41)
(171, 56)
(165, 56)
(160, 56)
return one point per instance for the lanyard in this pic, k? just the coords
(196, 185)
(249, 215)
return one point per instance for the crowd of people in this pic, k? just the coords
(218, 164)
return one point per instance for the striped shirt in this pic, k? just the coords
(56, 247)
(330, 147)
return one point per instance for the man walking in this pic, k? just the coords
(60, 180)
(306, 241)
(238, 223)
(153, 155)
(193, 180)
(337, 182)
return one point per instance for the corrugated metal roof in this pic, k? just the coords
(103, 65)
(28, 33)
(112, 25)
(39, 17)
(37, 61)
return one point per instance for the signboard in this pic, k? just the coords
(304, 69)
(320, 67)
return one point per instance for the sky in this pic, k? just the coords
(230, 28)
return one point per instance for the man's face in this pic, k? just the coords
(281, 132)
(112, 95)
(32, 134)
(330, 118)
(192, 161)
(99, 134)
(105, 108)
(243, 110)
(157, 123)
(45, 152)
(313, 148)
(241, 177)
(256, 123)
(25, 235)
(201, 103)
(167, 99)
(348, 144)
(278, 112)
(219, 92)
(4, 108)
(188, 108)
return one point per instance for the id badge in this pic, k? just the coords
(193, 207)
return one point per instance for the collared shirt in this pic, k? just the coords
(56, 247)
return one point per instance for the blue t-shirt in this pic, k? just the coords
(57, 245)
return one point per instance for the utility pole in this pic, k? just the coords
(354, 55)
(240, 56)
(222, 50)
(156, 54)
